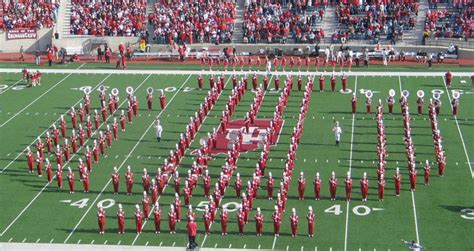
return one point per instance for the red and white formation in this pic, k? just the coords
(440, 154)
(409, 146)
(282, 195)
(381, 151)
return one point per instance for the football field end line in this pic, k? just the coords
(34, 101)
(125, 160)
(198, 129)
(459, 130)
(11, 86)
(229, 73)
(11, 162)
(346, 232)
(66, 163)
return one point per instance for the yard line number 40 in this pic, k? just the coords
(360, 210)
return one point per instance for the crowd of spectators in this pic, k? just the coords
(451, 22)
(108, 17)
(373, 21)
(31, 14)
(198, 21)
(277, 22)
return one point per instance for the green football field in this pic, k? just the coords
(439, 216)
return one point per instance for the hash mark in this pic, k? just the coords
(245, 245)
(8, 154)
(146, 244)
(38, 240)
(118, 243)
(116, 156)
(27, 113)
(8, 113)
(304, 160)
(327, 161)
(168, 116)
(287, 248)
(10, 240)
(79, 241)
(174, 243)
(149, 115)
(24, 240)
(51, 241)
(92, 242)
(215, 246)
(258, 247)
(105, 242)
(161, 243)
(230, 245)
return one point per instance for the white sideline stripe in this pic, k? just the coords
(34, 101)
(459, 131)
(67, 162)
(346, 232)
(416, 219)
(230, 73)
(11, 86)
(20, 154)
(274, 242)
(121, 165)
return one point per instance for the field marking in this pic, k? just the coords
(32, 143)
(238, 73)
(274, 242)
(118, 243)
(67, 162)
(92, 242)
(34, 101)
(38, 240)
(11, 86)
(125, 160)
(346, 232)
(10, 240)
(459, 130)
(80, 66)
(24, 240)
(416, 219)
(51, 241)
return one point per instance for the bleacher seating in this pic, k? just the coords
(108, 18)
(373, 22)
(273, 23)
(453, 21)
(184, 21)
(31, 14)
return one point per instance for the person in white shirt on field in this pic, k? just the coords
(337, 132)
(159, 130)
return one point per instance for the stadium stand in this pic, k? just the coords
(452, 21)
(273, 22)
(184, 21)
(372, 22)
(32, 14)
(108, 18)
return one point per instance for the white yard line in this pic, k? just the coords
(346, 232)
(34, 101)
(459, 131)
(80, 66)
(230, 73)
(47, 129)
(416, 218)
(47, 184)
(124, 161)
(11, 86)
